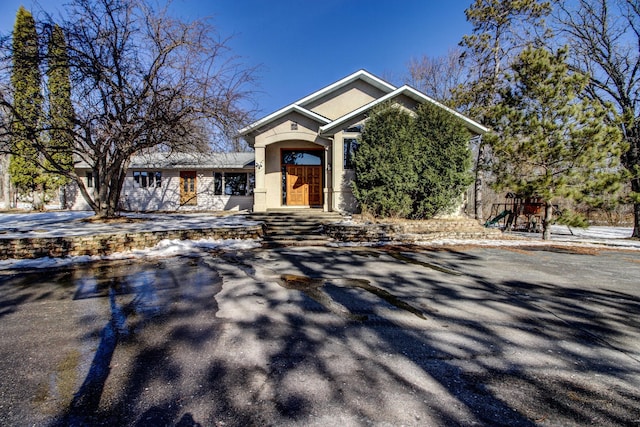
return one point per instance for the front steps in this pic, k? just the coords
(302, 227)
(313, 227)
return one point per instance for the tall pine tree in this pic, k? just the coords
(552, 141)
(500, 28)
(604, 41)
(27, 108)
(60, 143)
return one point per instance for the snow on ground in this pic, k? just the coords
(596, 237)
(164, 248)
(71, 223)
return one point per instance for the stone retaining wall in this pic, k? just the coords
(411, 231)
(106, 244)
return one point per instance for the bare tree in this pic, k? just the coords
(604, 36)
(438, 76)
(143, 80)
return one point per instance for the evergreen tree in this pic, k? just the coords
(411, 165)
(60, 143)
(384, 180)
(552, 141)
(500, 28)
(27, 108)
(441, 159)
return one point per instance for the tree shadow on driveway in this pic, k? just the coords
(506, 353)
(233, 346)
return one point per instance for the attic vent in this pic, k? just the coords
(294, 125)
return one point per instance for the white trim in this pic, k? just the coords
(298, 105)
(358, 75)
(283, 112)
(412, 93)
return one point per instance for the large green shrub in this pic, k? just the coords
(411, 165)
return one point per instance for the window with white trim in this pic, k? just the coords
(148, 179)
(233, 183)
(350, 146)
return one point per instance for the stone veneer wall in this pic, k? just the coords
(411, 231)
(105, 244)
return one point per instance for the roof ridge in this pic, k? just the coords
(299, 104)
(377, 81)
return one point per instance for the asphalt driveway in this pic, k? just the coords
(327, 336)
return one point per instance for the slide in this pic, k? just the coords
(497, 218)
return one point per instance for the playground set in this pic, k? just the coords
(517, 214)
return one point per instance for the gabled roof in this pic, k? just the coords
(358, 75)
(283, 112)
(326, 124)
(298, 106)
(411, 93)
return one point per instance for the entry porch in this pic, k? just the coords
(293, 175)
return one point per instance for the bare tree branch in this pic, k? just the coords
(143, 80)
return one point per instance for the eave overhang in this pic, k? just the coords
(410, 92)
(293, 108)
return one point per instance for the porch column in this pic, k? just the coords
(260, 192)
(327, 190)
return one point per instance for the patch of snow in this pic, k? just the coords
(594, 232)
(164, 248)
(71, 223)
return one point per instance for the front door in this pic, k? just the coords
(188, 187)
(304, 185)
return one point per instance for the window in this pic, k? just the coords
(233, 183)
(90, 182)
(217, 183)
(147, 179)
(252, 183)
(303, 157)
(350, 147)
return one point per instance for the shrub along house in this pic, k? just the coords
(303, 157)
(303, 151)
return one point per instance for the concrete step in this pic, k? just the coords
(296, 219)
(290, 223)
(295, 227)
(314, 232)
(297, 237)
(285, 243)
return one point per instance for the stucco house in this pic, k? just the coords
(303, 151)
(302, 157)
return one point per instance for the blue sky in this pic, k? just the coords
(303, 45)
